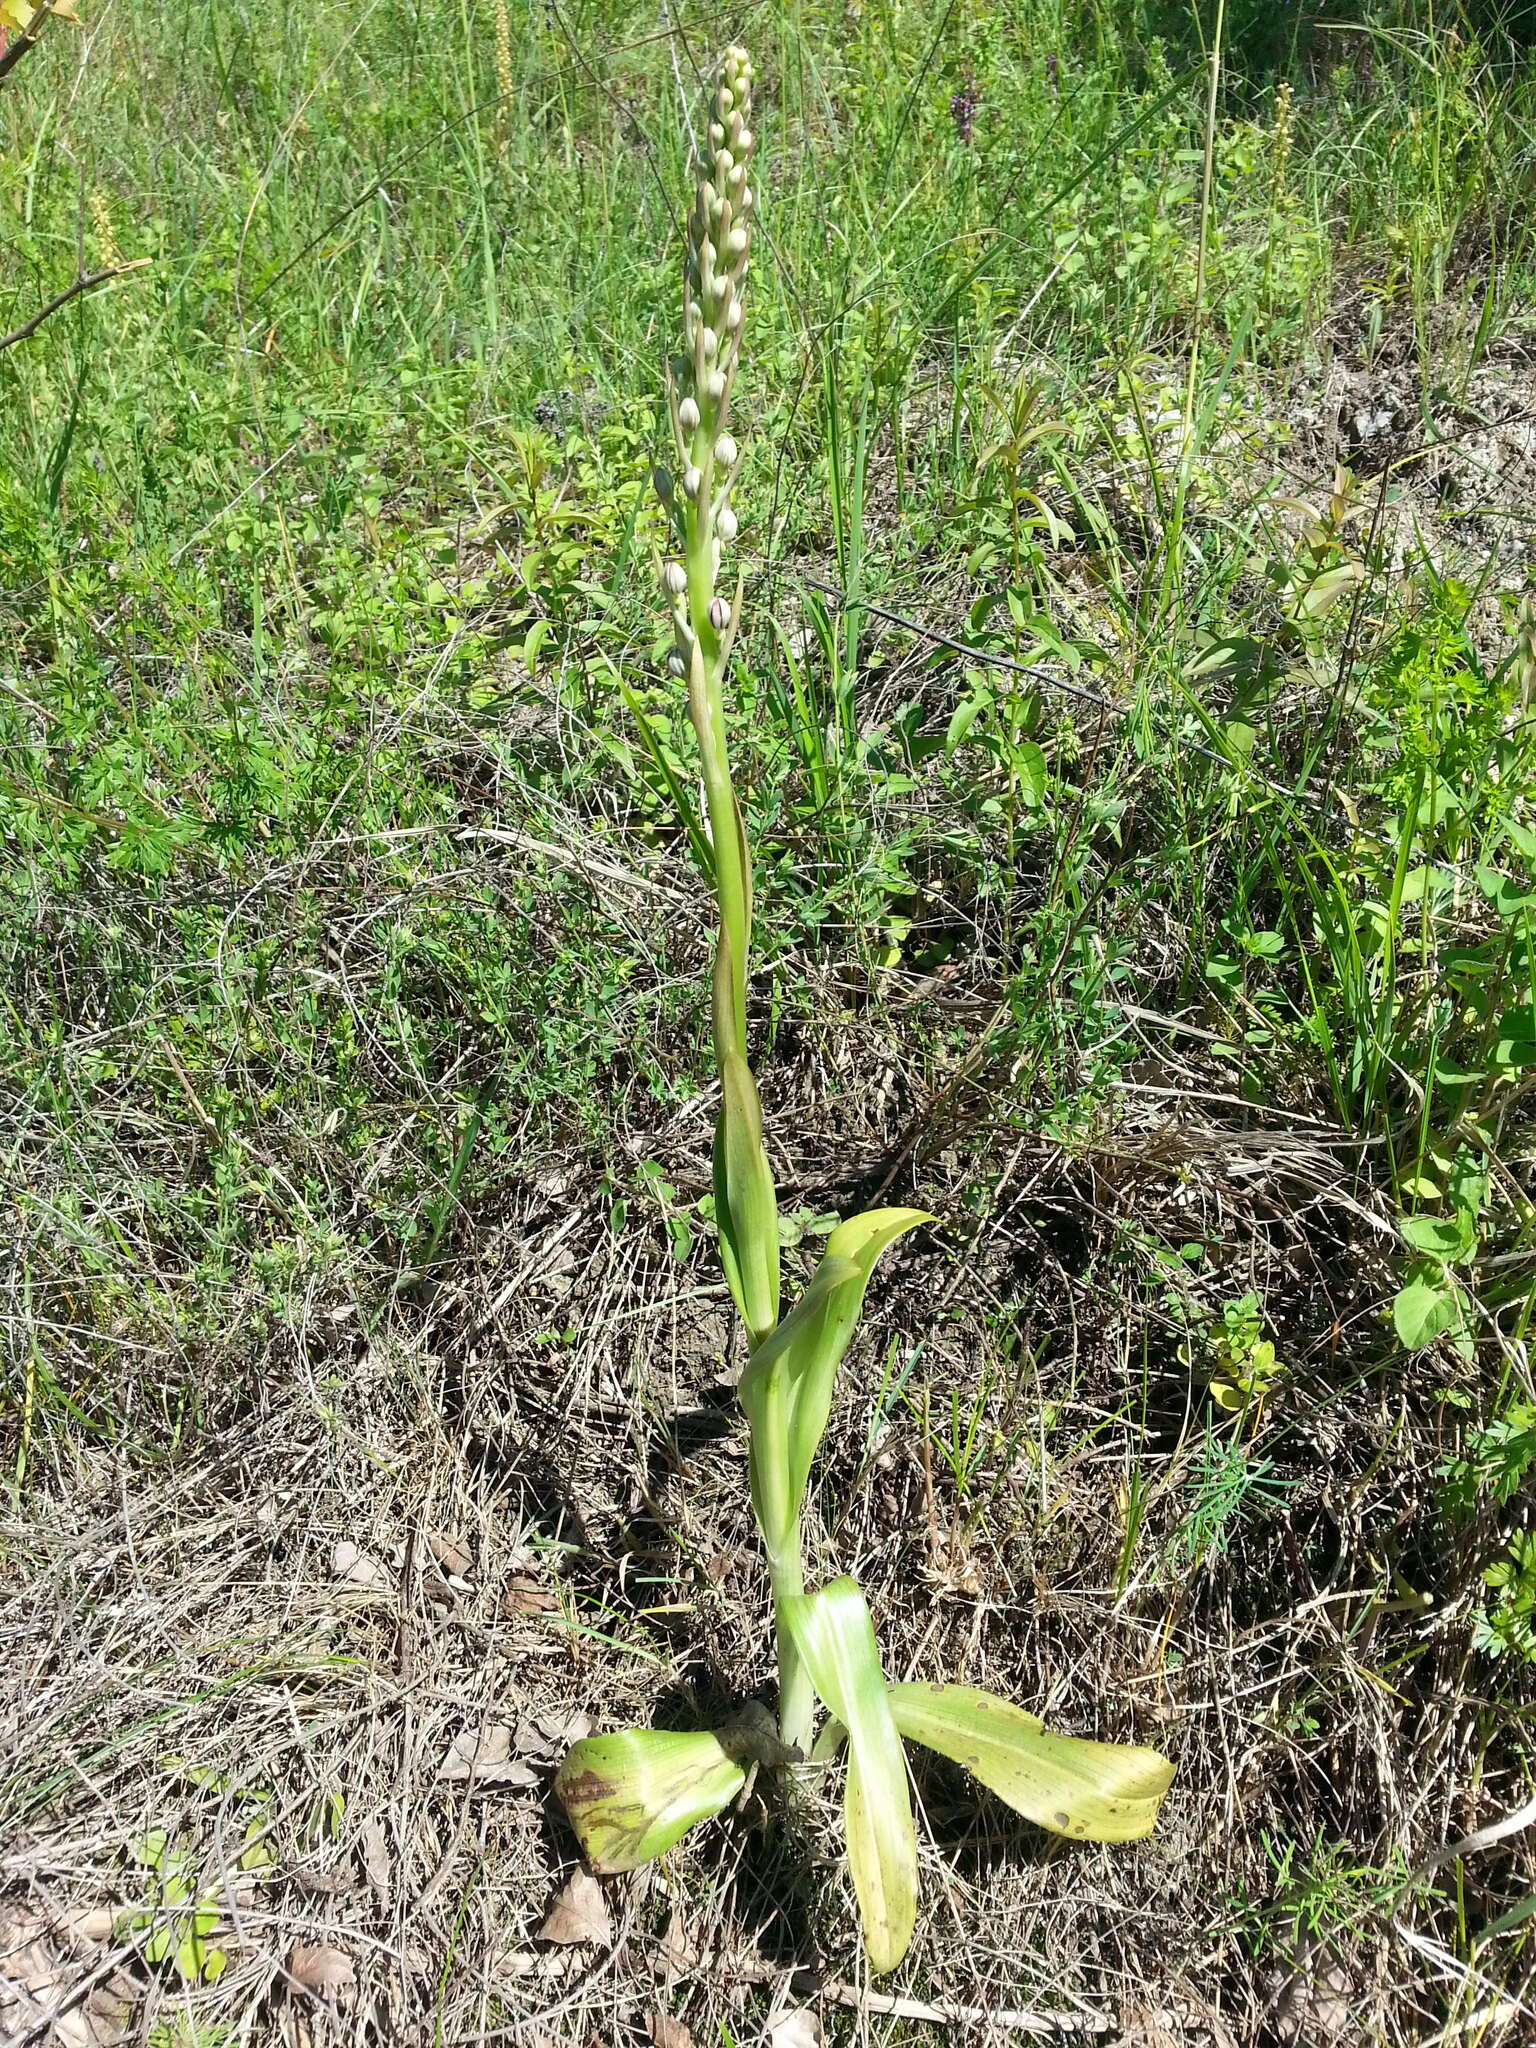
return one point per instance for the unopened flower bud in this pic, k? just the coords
(714, 387)
(725, 451)
(733, 314)
(675, 577)
(736, 174)
(725, 163)
(716, 133)
(744, 141)
(736, 242)
(747, 199)
(719, 613)
(727, 99)
(691, 481)
(725, 524)
(677, 663)
(709, 341)
(688, 415)
(661, 479)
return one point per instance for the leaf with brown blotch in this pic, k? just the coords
(632, 1796)
(1090, 1791)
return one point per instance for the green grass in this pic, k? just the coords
(346, 912)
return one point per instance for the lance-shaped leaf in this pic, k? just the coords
(631, 1796)
(746, 1209)
(787, 1386)
(837, 1640)
(1092, 1791)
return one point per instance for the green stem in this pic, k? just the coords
(733, 879)
(719, 235)
(797, 1696)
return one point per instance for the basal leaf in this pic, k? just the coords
(631, 1796)
(1427, 1305)
(1437, 1236)
(1091, 1791)
(836, 1638)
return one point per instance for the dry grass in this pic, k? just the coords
(178, 1637)
(534, 1463)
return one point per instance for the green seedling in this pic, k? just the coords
(178, 1923)
(1507, 1624)
(1245, 1369)
(1432, 1302)
(632, 1796)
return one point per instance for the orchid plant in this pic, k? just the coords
(631, 1796)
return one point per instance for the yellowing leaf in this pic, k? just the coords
(20, 14)
(835, 1636)
(1091, 1791)
(1324, 591)
(631, 1796)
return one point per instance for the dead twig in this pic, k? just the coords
(89, 282)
